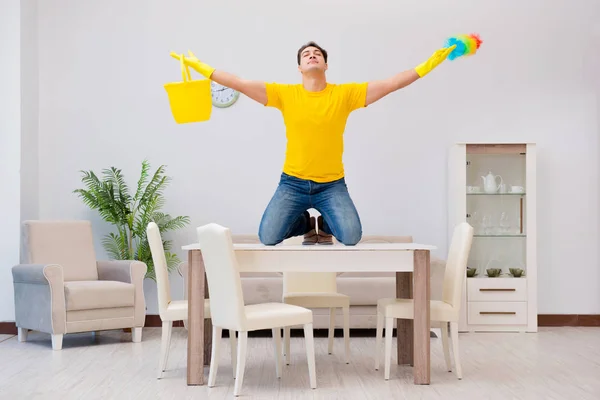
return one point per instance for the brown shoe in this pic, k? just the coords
(323, 238)
(311, 236)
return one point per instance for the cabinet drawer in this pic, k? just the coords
(497, 313)
(497, 289)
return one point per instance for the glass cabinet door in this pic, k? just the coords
(496, 199)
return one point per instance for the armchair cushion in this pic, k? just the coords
(127, 271)
(66, 243)
(91, 295)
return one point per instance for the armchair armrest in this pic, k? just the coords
(40, 297)
(41, 274)
(128, 271)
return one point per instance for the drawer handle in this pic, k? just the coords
(498, 290)
(497, 312)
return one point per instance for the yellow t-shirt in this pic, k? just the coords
(315, 123)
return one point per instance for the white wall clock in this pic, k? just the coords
(222, 96)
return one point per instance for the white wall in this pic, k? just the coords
(101, 103)
(10, 151)
(595, 55)
(29, 112)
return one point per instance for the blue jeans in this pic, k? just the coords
(287, 214)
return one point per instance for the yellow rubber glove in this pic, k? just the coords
(203, 68)
(436, 59)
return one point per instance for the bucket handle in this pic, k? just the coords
(184, 69)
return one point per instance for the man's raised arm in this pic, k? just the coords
(256, 90)
(379, 89)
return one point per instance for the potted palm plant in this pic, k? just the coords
(131, 213)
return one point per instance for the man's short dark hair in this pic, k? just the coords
(312, 44)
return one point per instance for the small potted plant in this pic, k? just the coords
(130, 213)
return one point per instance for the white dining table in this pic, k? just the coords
(410, 261)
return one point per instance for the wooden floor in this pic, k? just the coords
(555, 363)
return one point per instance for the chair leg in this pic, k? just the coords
(346, 312)
(277, 342)
(57, 341)
(23, 334)
(233, 344)
(445, 345)
(454, 337)
(136, 335)
(214, 357)
(389, 326)
(310, 354)
(331, 330)
(164, 347)
(378, 339)
(241, 362)
(286, 339)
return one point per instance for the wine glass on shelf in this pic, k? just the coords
(486, 225)
(504, 223)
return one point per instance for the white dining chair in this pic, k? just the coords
(446, 311)
(310, 290)
(438, 266)
(229, 312)
(317, 290)
(168, 309)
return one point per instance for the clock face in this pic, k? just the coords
(222, 96)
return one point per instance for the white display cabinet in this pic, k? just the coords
(492, 186)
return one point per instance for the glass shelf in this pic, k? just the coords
(495, 194)
(508, 235)
(503, 276)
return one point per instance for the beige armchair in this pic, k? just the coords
(63, 289)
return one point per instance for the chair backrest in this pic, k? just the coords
(310, 282)
(159, 259)
(456, 264)
(224, 283)
(67, 243)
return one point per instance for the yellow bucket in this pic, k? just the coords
(190, 100)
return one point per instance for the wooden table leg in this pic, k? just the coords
(422, 318)
(195, 343)
(404, 327)
(207, 329)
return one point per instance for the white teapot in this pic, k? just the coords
(489, 183)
